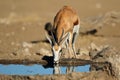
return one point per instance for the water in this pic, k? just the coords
(20, 69)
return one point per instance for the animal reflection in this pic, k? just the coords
(57, 69)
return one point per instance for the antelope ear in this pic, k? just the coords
(64, 39)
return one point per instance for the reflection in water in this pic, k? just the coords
(69, 69)
(56, 69)
(19, 69)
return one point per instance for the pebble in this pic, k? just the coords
(4, 21)
(43, 51)
(23, 28)
(84, 52)
(26, 51)
(7, 34)
(94, 47)
(15, 54)
(12, 33)
(12, 43)
(113, 24)
(25, 44)
(98, 5)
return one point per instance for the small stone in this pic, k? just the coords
(4, 21)
(31, 77)
(43, 51)
(84, 52)
(94, 47)
(23, 28)
(26, 50)
(12, 43)
(8, 22)
(98, 5)
(15, 54)
(7, 34)
(38, 53)
(113, 24)
(25, 44)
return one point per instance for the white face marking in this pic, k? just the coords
(56, 54)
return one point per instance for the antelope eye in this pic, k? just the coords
(61, 50)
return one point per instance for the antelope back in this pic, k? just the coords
(65, 20)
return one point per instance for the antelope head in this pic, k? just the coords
(57, 46)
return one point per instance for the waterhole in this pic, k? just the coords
(21, 69)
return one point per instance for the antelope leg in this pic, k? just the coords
(75, 34)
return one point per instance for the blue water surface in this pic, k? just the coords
(19, 69)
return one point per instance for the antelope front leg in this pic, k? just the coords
(70, 45)
(73, 44)
(69, 51)
(75, 34)
(74, 50)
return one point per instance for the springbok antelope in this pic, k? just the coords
(64, 32)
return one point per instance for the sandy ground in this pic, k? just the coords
(22, 23)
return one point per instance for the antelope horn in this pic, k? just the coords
(53, 37)
(65, 37)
